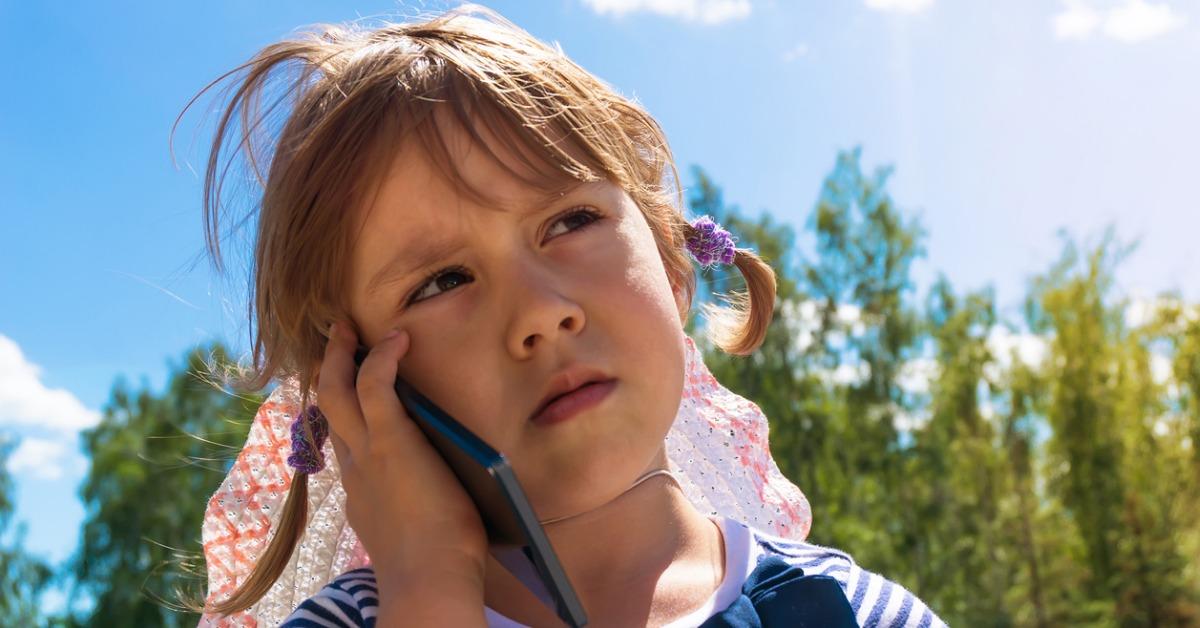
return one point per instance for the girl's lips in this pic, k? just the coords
(575, 402)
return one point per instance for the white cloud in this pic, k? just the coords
(987, 410)
(1130, 22)
(1160, 368)
(851, 316)
(42, 458)
(846, 374)
(705, 11)
(795, 52)
(54, 416)
(900, 6)
(909, 422)
(25, 400)
(1138, 20)
(803, 319)
(802, 322)
(1076, 21)
(915, 375)
(1030, 349)
(1142, 310)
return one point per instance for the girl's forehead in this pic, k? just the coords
(461, 170)
(415, 181)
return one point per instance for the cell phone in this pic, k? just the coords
(512, 526)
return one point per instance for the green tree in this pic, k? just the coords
(1160, 501)
(962, 529)
(22, 577)
(1083, 329)
(1177, 325)
(154, 462)
(1008, 494)
(861, 280)
(1107, 466)
(1178, 329)
(1022, 398)
(837, 440)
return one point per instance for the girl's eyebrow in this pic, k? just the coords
(428, 250)
(424, 252)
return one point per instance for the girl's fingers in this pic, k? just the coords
(336, 387)
(377, 386)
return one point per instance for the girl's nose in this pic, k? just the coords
(542, 313)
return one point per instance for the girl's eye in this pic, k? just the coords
(589, 216)
(443, 278)
(438, 278)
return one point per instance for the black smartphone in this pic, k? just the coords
(512, 527)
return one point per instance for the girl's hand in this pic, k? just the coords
(412, 515)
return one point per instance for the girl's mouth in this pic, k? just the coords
(575, 402)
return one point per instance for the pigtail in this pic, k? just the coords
(245, 107)
(288, 531)
(741, 328)
(279, 550)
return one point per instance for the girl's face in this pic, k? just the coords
(513, 293)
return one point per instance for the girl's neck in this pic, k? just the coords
(645, 476)
(645, 551)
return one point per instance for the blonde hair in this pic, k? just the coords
(353, 93)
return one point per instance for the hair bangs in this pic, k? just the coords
(533, 147)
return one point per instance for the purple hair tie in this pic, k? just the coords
(307, 458)
(711, 245)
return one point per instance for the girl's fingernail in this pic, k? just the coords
(392, 334)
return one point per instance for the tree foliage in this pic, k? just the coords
(22, 577)
(1003, 489)
(155, 459)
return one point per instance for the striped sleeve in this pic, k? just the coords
(351, 600)
(877, 602)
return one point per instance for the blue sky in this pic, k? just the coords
(1006, 121)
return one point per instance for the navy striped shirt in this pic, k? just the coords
(352, 599)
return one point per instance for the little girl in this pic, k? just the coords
(503, 231)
